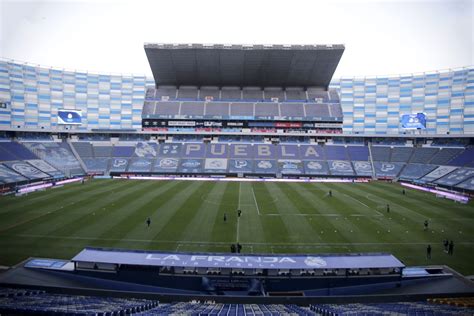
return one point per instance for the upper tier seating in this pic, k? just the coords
(212, 92)
(84, 149)
(14, 151)
(358, 153)
(231, 93)
(317, 93)
(252, 94)
(296, 94)
(464, 159)
(443, 156)
(186, 92)
(165, 91)
(401, 154)
(423, 155)
(380, 153)
(271, 93)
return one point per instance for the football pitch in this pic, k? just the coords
(276, 218)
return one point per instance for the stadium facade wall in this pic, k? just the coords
(34, 95)
(374, 105)
(31, 97)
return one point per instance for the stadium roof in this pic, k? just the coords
(243, 65)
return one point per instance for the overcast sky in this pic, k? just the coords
(381, 37)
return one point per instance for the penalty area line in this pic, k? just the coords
(255, 200)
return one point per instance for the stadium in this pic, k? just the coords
(238, 180)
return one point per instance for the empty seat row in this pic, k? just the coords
(246, 93)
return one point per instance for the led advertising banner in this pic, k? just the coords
(414, 121)
(69, 117)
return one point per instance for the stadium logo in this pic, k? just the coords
(315, 262)
(362, 166)
(191, 164)
(314, 165)
(145, 150)
(25, 169)
(264, 164)
(239, 164)
(119, 163)
(387, 167)
(289, 165)
(168, 163)
(340, 165)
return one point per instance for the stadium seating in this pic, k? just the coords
(401, 154)
(358, 153)
(14, 151)
(192, 308)
(464, 158)
(413, 171)
(444, 155)
(403, 308)
(380, 153)
(20, 301)
(423, 155)
(30, 301)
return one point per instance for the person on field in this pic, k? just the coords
(239, 247)
(232, 248)
(330, 193)
(403, 192)
(426, 225)
(446, 245)
(451, 248)
(388, 208)
(225, 217)
(239, 212)
(428, 252)
(148, 222)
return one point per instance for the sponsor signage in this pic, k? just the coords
(69, 117)
(353, 261)
(414, 121)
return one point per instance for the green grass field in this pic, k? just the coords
(276, 218)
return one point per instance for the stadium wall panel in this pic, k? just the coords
(31, 97)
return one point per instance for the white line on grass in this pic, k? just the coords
(255, 200)
(363, 204)
(238, 224)
(240, 189)
(194, 242)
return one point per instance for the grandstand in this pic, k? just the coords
(311, 160)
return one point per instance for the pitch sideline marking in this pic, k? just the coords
(255, 200)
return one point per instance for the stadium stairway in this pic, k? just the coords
(371, 160)
(78, 157)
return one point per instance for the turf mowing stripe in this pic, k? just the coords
(419, 216)
(328, 229)
(182, 213)
(208, 223)
(44, 197)
(274, 228)
(188, 212)
(93, 214)
(299, 227)
(131, 221)
(104, 218)
(250, 223)
(55, 210)
(225, 204)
